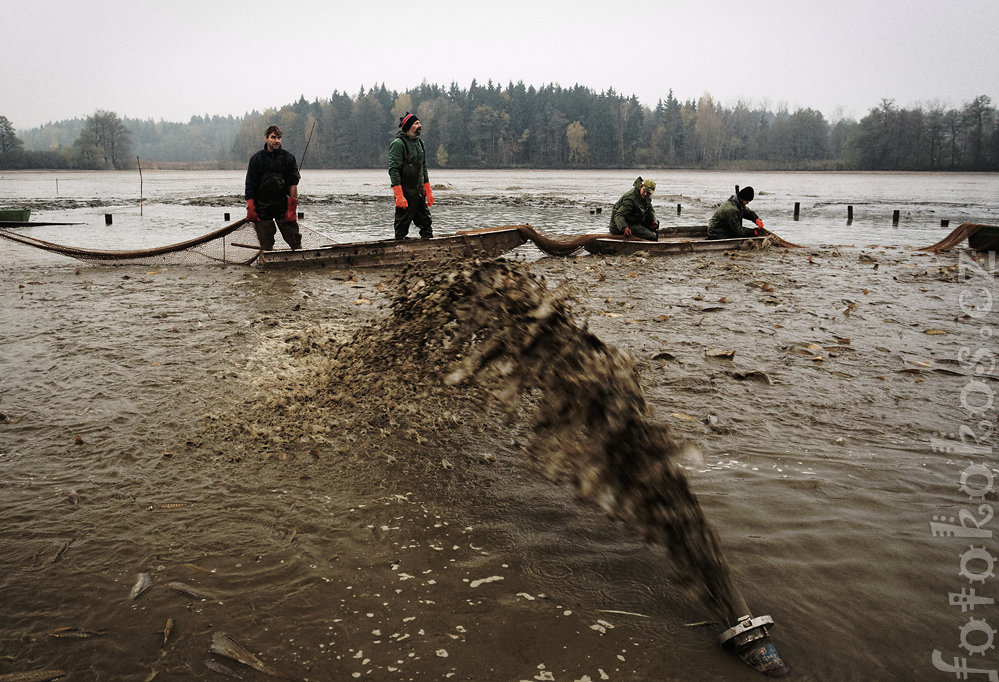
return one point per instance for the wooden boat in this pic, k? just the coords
(674, 240)
(15, 215)
(485, 242)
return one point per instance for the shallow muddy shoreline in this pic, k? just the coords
(813, 382)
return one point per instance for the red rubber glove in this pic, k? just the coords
(251, 211)
(627, 232)
(430, 195)
(291, 215)
(759, 223)
(400, 199)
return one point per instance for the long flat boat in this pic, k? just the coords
(675, 240)
(486, 242)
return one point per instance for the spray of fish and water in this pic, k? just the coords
(493, 330)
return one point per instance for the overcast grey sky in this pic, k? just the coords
(64, 59)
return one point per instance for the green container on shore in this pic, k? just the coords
(15, 215)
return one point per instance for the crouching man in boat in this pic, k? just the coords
(272, 192)
(726, 223)
(633, 215)
(410, 180)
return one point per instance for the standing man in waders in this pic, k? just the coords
(272, 192)
(410, 180)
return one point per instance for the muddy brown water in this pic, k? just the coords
(817, 385)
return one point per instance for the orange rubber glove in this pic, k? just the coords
(291, 215)
(430, 195)
(759, 223)
(251, 211)
(627, 232)
(400, 199)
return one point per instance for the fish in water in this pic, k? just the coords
(188, 591)
(224, 645)
(222, 669)
(76, 633)
(33, 676)
(142, 584)
(167, 629)
(62, 550)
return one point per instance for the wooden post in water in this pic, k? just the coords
(894, 218)
(225, 217)
(944, 223)
(107, 218)
(678, 209)
(137, 163)
(797, 209)
(849, 215)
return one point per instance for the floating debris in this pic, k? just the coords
(623, 613)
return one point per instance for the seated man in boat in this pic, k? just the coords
(272, 192)
(726, 223)
(633, 215)
(410, 180)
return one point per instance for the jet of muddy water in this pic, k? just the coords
(493, 323)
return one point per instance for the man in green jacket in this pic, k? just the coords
(633, 215)
(726, 223)
(410, 180)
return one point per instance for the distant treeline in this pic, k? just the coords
(521, 126)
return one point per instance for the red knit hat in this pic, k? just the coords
(407, 121)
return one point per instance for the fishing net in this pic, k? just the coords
(965, 231)
(233, 244)
(557, 247)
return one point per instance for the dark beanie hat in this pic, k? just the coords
(747, 193)
(406, 122)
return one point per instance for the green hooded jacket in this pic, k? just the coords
(726, 223)
(631, 210)
(408, 163)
